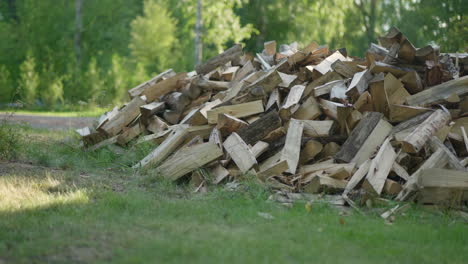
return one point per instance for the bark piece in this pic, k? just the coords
(259, 129)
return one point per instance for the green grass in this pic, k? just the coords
(85, 113)
(74, 207)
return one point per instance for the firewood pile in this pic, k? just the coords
(307, 120)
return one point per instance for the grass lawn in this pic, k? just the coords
(86, 113)
(61, 205)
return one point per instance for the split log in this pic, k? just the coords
(239, 152)
(228, 124)
(230, 54)
(380, 168)
(310, 150)
(273, 170)
(208, 85)
(239, 110)
(151, 109)
(435, 144)
(359, 83)
(156, 125)
(364, 139)
(438, 93)
(137, 91)
(308, 110)
(128, 134)
(164, 87)
(291, 103)
(259, 129)
(292, 146)
(189, 159)
(159, 154)
(124, 117)
(358, 176)
(451, 179)
(316, 129)
(323, 183)
(417, 139)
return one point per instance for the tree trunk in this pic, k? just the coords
(198, 33)
(78, 30)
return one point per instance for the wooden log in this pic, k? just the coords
(438, 93)
(159, 154)
(274, 100)
(326, 88)
(364, 139)
(399, 113)
(194, 118)
(219, 173)
(358, 176)
(103, 143)
(308, 110)
(229, 73)
(323, 183)
(414, 142)
(359, 83)
(270, 47)
(310, 150)
(338, 112)
(273, 170)
(329, 150)
(380, 67)
(230, 54)
(259, 148)
(239, 110)
(319, 166)
(346, 68)
(172, 116)
(243, 72)
(124, 117)
(239, 152)
(391, 187)
(438, 159)
(364, 103)
(412, 122)
(292, 146)
(155, 138)
(328, 77)
(228, 124)
(287, 80)
(325, 65)
(259, 129)
(412, 82)
(151, 109)
(156, 125)
(316, 129)
(128, 134)
(164, 87)
(176, 101)
(189, 159)
(291, 103)
(435, 144)
(208, 85)
(353, 119)
(443, 178)
(380, 167)
(138, 90)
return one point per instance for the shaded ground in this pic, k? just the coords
(49, 122)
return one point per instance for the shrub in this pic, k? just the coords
(9, 141)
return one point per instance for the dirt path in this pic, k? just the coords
(50, 122)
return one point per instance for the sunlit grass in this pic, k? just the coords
(20, 192)
(91, 112)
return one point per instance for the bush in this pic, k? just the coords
(29, 80)
(9, 141)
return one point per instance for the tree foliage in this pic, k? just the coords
(124, 42)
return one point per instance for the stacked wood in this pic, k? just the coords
(307, 120)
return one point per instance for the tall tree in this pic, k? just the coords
(78, 30)
(198, 34)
